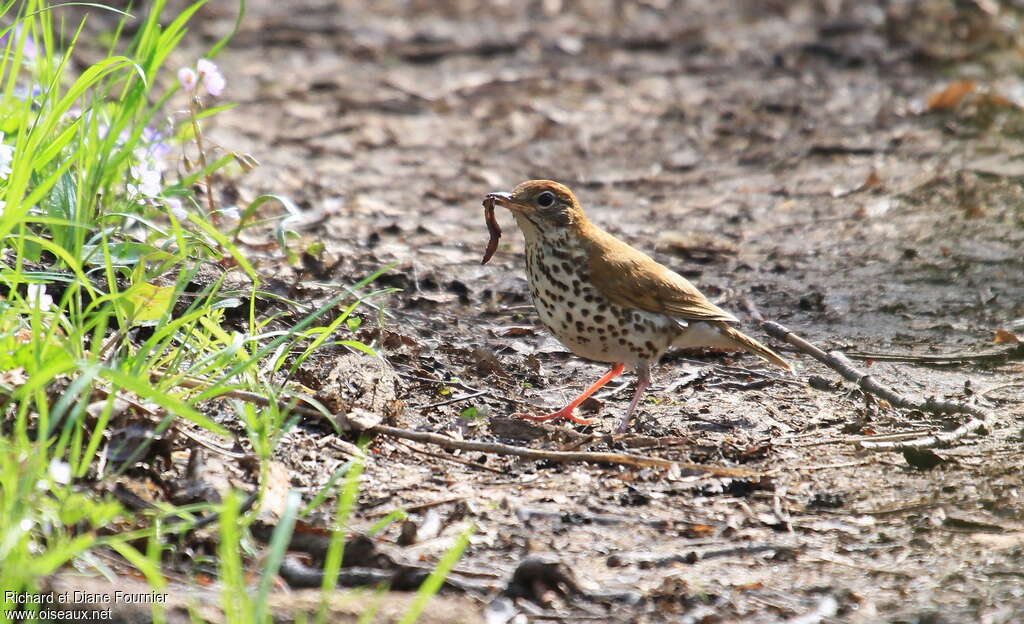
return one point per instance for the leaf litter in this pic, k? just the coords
(769, 108)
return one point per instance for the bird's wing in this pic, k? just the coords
(631, 278)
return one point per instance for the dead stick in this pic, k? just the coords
(458, 399)
(620, 459)
(839, 363)
(1016, 352)
(419, 507)
(455, 460)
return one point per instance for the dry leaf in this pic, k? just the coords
(951, 96)
(873, 181)
(999, 542)
(753, 586)
(516, 330)
(1005, 337)
(994, 100)
(700, 530)
(277, 485)
(14, 377)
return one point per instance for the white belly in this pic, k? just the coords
(698, 334)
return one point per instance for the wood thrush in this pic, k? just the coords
(605, 300)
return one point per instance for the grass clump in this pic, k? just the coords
(108, 220)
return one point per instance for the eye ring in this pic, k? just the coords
(546, 199)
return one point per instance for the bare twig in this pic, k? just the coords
(138, 405)
(839, 363)
(576, 444)
(619, 459)
(849, 563)
(462, 386)
(193, 107)
(692, 556)
(1013, 353)
(458, 399)
(1016, 384)
(725, 369)
(448, 458)
(419, 507)
(525, 514)
(851, 464)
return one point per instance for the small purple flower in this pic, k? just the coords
(207, 74)
(23, 93)
(230, 214)
(147, 183)
(151, 135)
(154, 144)
(29, 49)
(212, 79)
(176, 208)
(187, 78)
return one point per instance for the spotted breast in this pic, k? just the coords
(581, 317)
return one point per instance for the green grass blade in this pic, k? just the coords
(433, 583)
(278, 545)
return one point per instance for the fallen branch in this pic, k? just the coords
(621, 459)
(420, 507)
(646, 560)
(839, 363)
(458, 384)
(454, 460)
(1013, 353)
(1015, 384)
(615, 459)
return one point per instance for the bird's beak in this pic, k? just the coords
(505, 200)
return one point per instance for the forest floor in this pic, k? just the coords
(790, 154)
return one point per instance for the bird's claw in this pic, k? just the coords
(562, 413)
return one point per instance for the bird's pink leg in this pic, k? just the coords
(643, 379)
(566, 412)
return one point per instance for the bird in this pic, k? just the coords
(607, 301)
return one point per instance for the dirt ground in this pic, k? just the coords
(787, 153)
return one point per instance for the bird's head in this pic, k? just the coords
(542, 208)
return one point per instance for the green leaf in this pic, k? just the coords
(383, 523)
(150, 302)
(61, 202)
(278, 545)
(143, 388)
(148, 567)
(124, 254)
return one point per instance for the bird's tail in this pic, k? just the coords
(745, 342)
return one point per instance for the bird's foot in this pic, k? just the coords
(566, 412)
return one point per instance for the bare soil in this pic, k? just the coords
(785, 153)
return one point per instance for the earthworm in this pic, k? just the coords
(492, 228)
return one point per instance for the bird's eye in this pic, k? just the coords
(546, 199)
